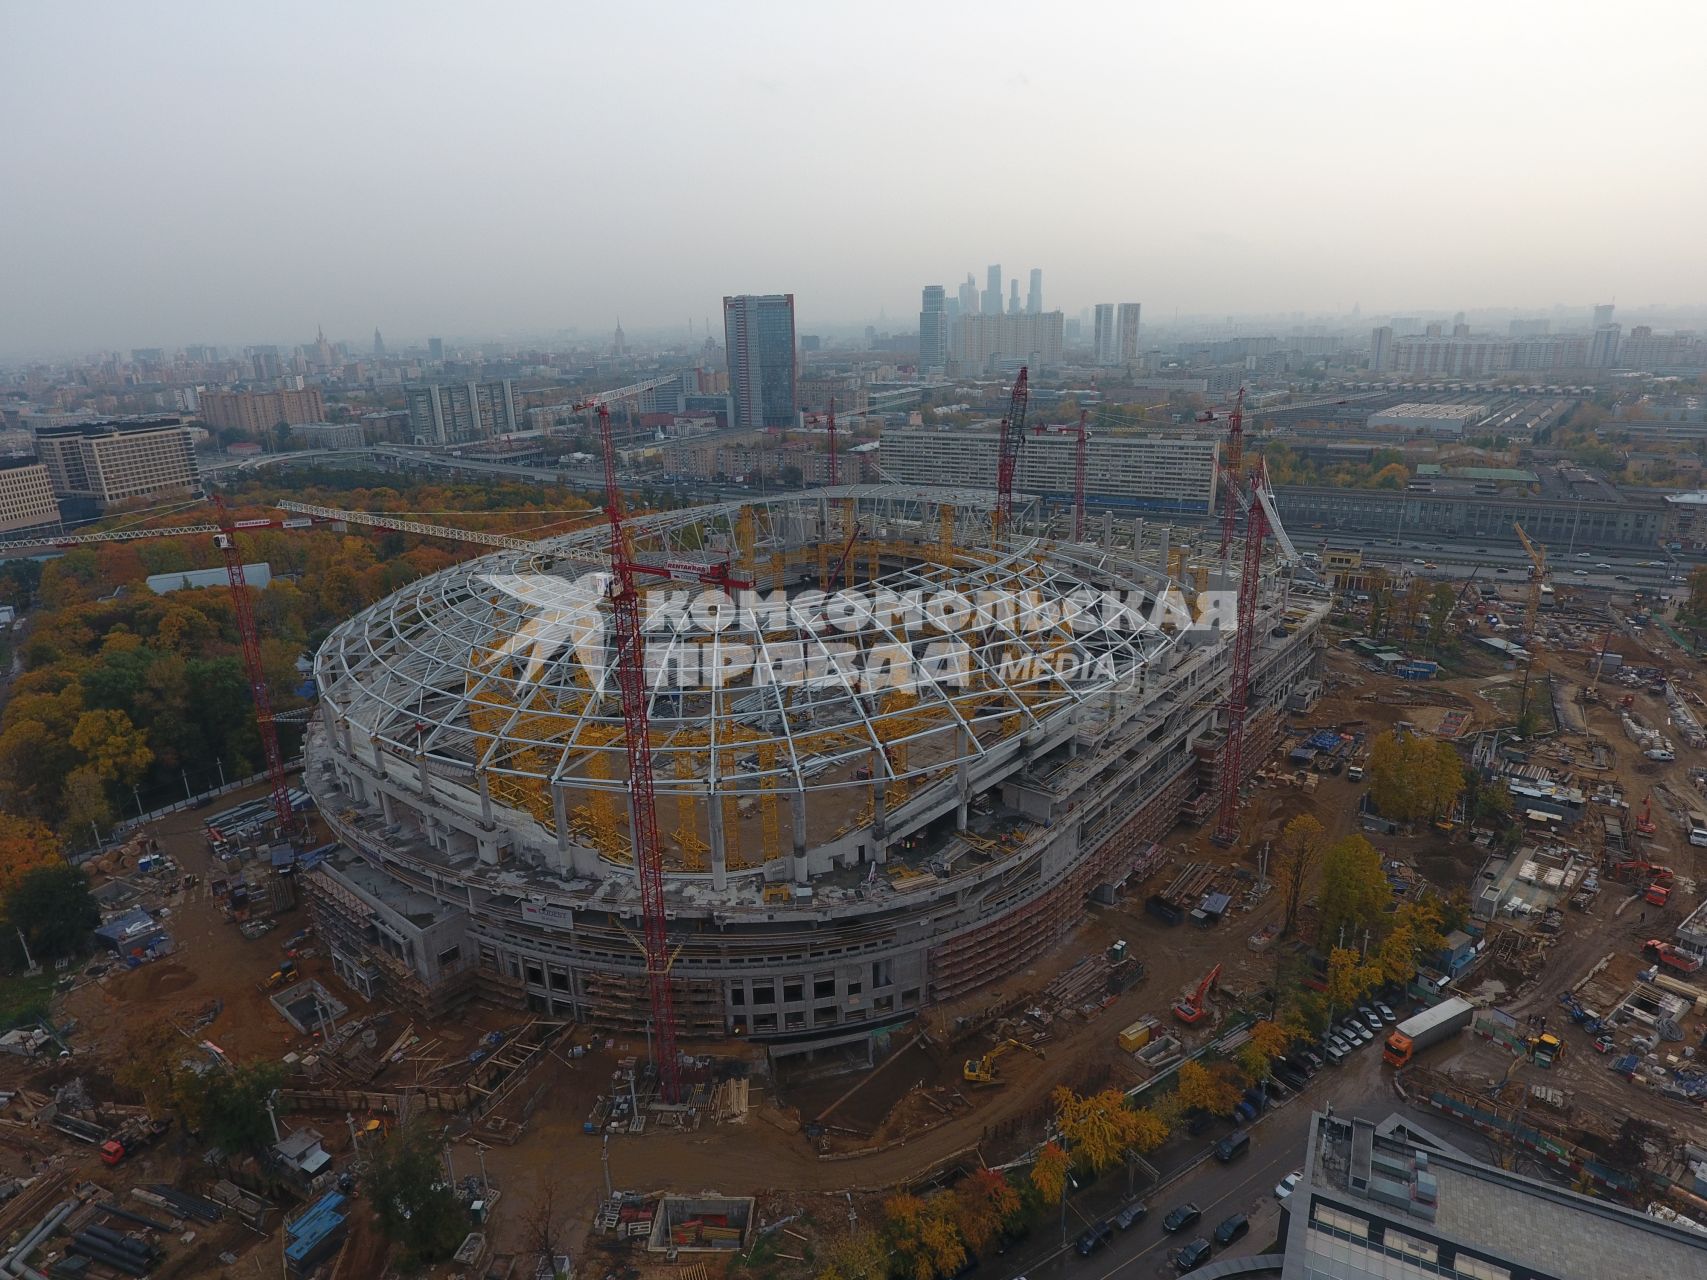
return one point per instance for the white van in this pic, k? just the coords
(1697, 828)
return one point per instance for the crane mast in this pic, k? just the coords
(1007, 456)
(1079, 479)
(1239, 680)
(1231, 466)
(643, 805)
(833, 480)
(250, 636)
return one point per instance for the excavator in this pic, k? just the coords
(983, 1070)
(1190, 1009)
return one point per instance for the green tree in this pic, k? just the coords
(856, 1254)
(229, 1108)
(1354, 890)
(1296, 856)
(54, 910)
(417, 1208)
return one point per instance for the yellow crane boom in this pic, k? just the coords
(1538, 562)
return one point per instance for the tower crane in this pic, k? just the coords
(1257, 528)
(1007, 455)
(1082, 433)
(643, 803)
(831, 425)
(1538, 573)
(1232, 463)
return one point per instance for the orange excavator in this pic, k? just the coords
(1190, 1009)
(1645, 819)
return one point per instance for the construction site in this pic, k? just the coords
(689, 882)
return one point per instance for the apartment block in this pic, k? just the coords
(982, 340)
(101, 464)
(27, 503)
(259, 411)
(455, 412)
(1154, 472)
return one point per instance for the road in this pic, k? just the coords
(1363, 1087)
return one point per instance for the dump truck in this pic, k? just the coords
(1429, 1027)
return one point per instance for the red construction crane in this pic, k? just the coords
(1645, 819)
(1007, 455)
(1239, 680)
(1230, 471)
(1083, 433)
(226, 541)
(829, 419)
(643, 804)
(1191, 1008)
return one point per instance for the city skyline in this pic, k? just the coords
(146, 215)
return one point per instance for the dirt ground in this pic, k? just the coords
(915, 1112)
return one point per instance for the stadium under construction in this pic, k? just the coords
(896, 758)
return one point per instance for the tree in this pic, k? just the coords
(113, 747)
(229, 1108)
(1394, 475)
(152, 1062)
(1296, 855)
(546, 1228)
(1354, 890)
(1440, 772)
(1201, 1089)
(54, 910)
(417, 1208)
(1099, 1128)
(1440, 605)
(856, 1254)
(25, 844)
(925, 1236)
(1256, 1056)
(1049, 1173)
(1350, 977)
(1414, 777)
(982, 1203)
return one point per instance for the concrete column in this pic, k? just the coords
(797, 808)
(387, 805)
(1162, 553)
(560, 815)
(962, 778)
(1107, 538)
(378, 755)
(426, 778)
(485, 797)
(488, 842)
(879, 820)
(719, 845)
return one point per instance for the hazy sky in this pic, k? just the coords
(179, 172)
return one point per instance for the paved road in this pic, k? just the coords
(1363, 1087)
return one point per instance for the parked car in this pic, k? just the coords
(1231, 1229)
(1336, 1052)
(1288, 1184)
(1234, 1145)
(1386, 1012)
(1131, 1215)
(1192, 1256)
(1180, 1217)
(1290, 1078)
(1313, 1061)
(1094, 1237)
(1371, 1019)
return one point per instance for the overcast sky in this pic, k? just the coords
(233, 172)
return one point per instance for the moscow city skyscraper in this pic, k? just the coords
(933, 330)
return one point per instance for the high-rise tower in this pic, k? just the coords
(758, 333)
(1126, 320)
(1034, 295)
(933, 330)
(991, 303)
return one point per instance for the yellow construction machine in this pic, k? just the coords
(983, 1070)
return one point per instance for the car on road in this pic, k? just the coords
(1419, 562)
(1287, 1185)
(1606, 567)
(1584, 555)
(1431, 565)
(1623, 577)
(1192, 1256)
(1181, 1216)
(1581, 573)
(1132, 1215)
(1386, 1012)
(1094, 1237)
(1232, 1228)
(1502, 569)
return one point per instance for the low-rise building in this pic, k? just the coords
(1438, 419)
(1173, 472)
(101, 464)
(27, 504)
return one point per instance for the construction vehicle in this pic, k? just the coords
(1657, 894)
(1429, 1027)
(1672, 957)
(1544, 1049)
(983, 1070)
(1645, 819)
(1636, 870)
(1190, 1010)
(134, 1137)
